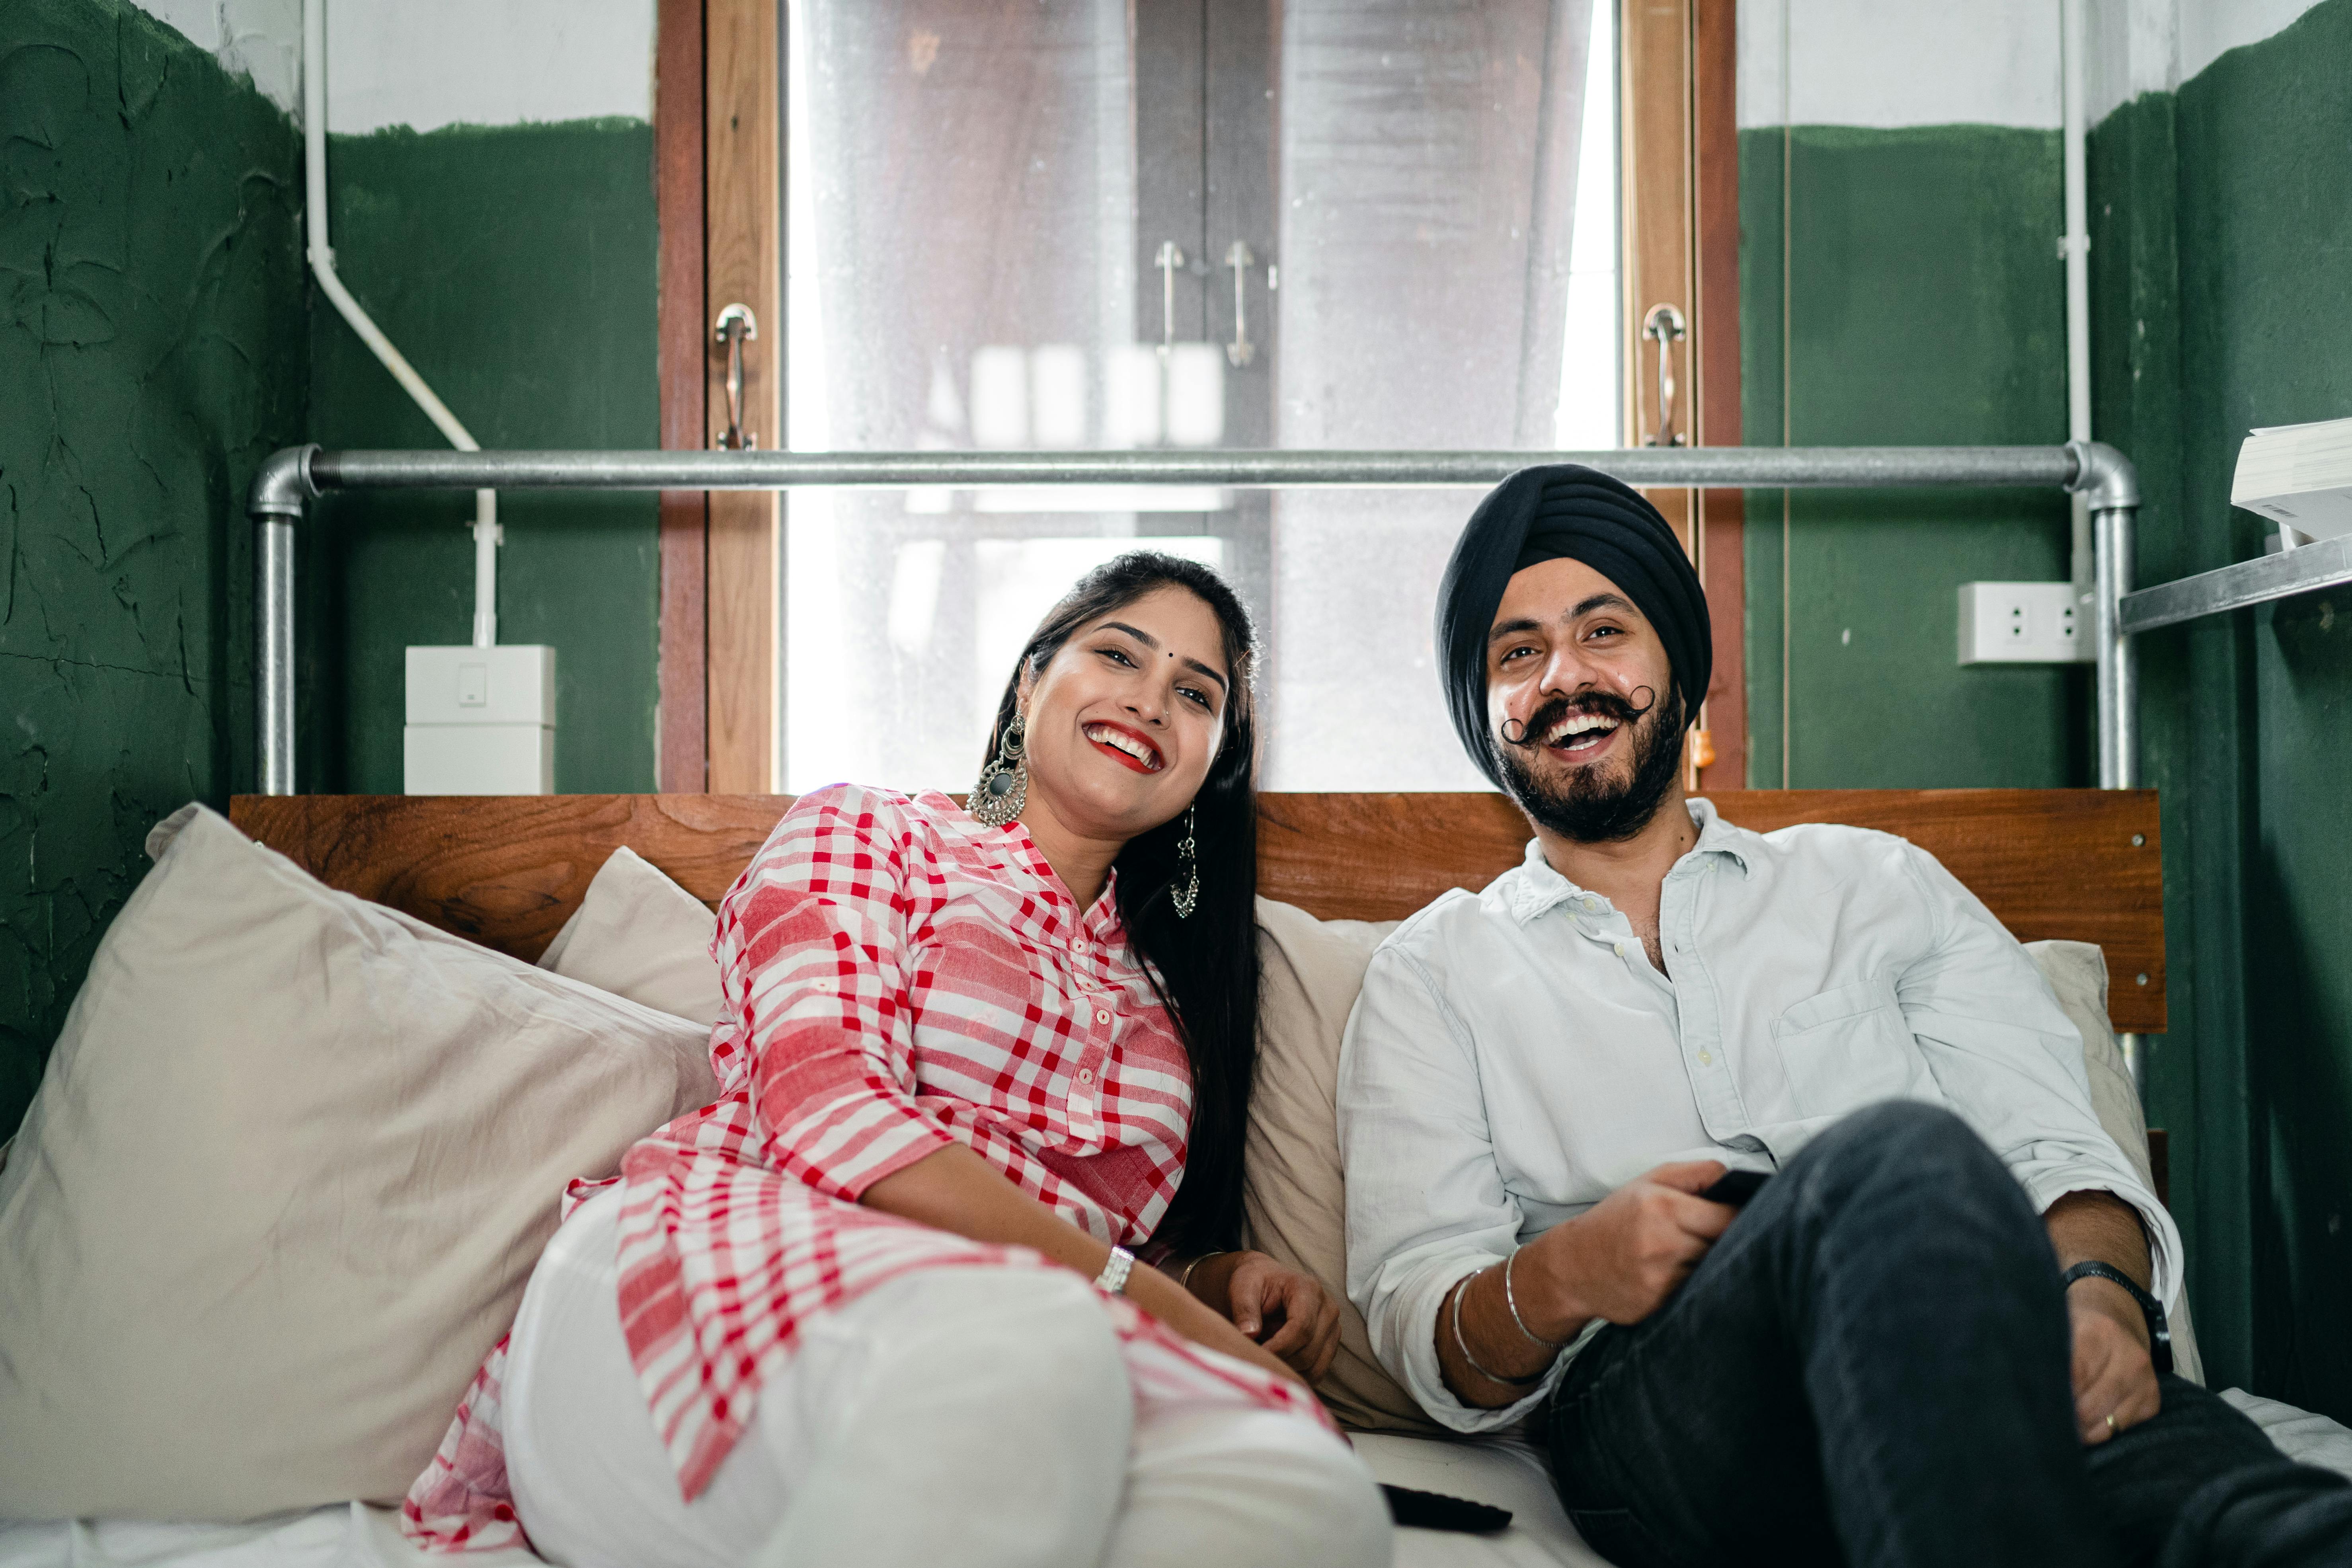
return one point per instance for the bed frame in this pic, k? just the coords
(508, 871)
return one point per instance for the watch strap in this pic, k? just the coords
(1112, 1281)
(2160, 1326)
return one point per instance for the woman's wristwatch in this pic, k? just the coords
(1112, 1281)
(2160, 1330)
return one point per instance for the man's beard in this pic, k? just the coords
(1588, 808)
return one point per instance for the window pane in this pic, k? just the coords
(1430, 162)
(967, 269)
(959, 194)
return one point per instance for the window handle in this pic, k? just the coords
(1665, 323)
(735, 327)
(1240, 351)
(1168, 260)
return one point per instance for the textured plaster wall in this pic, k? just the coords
(515, 266)
(153, 349)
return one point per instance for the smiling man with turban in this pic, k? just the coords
(1939, 1331)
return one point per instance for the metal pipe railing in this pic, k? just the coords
(289, 479)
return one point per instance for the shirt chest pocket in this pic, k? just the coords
(1847, 1047)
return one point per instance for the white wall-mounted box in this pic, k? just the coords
(510, 685)
(481, 720)
(2025, 623)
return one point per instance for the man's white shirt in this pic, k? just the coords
(1514, 1057)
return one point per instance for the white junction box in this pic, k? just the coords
(481, 720)
(2025, 623)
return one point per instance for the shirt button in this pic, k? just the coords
(1707, 1058)
(1086, 1075)
(1620, 950)
(1079, 947)
(1102, 1016)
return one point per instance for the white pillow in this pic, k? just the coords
(290, 1162)
(640, 935)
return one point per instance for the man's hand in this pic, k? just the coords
(1288, 1314)
(2113, 1374)
(1621, 1259)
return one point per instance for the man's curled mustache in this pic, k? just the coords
(1607, 704)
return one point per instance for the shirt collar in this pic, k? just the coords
(1058, 911)
(1533, 888)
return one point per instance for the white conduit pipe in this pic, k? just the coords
(2073, 48)
(322, 263)
(2075, 246)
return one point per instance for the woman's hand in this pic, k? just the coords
(953, 1189)
(1185, 1313)
(1288, 1312)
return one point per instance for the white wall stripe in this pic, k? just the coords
(425, 64)
(1888, 64)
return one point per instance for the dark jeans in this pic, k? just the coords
(1872, 1367)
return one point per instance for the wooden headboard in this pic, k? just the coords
(508, 870)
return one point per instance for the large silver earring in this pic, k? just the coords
(1188, 860)
(1003, 786)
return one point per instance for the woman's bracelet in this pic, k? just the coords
(1511, 1300)
(1464, 1345)
(1184, 1281)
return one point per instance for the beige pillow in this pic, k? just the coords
(290, 1162)
(640, 935)
(1293, 1191)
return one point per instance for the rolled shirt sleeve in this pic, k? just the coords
(2006, 1056)
(1426, 1203)
(812, 946)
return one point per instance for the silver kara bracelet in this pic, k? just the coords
(1511, 1300)
(1112, 1281)
(1464, 1345)
(1184, 1280)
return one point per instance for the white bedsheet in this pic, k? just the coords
(349, 1535)
(1503, 1471)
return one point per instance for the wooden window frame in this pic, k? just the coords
(1679, 195)
(718, 151)
(683, 716)
(717, 155)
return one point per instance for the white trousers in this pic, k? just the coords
(968, 1415)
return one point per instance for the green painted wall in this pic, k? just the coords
(153, 349)
(1924, 305)
(2220, 237)
(158, 338)
(515, 267)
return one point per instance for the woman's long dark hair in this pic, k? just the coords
(1206, 968)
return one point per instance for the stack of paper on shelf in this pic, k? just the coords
(2300, 475)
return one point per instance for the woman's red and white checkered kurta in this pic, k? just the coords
(896, 976)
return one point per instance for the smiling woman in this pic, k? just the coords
(1135, 703)
(968, 1060)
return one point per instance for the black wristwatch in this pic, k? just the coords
(2159, 1332)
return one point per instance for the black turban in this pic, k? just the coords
(1565, 509)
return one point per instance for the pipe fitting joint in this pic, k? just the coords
(2103, 475)
(282, 485)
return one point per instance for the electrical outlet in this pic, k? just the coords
(2024, 623)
